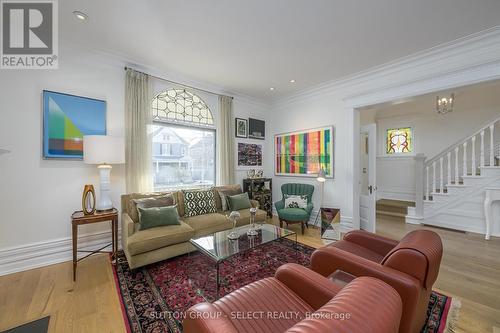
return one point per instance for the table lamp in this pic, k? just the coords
(103, 150)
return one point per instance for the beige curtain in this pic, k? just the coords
(138, 159)
(225, 141)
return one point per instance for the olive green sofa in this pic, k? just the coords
(143, 247)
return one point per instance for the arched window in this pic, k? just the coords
(183, 141)
(181, 106)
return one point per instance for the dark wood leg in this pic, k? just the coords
(281, 223)
(75, 246)
(115, 240)
(302, 226)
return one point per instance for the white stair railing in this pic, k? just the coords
(467, 153)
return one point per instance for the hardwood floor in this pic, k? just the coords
(470, 271)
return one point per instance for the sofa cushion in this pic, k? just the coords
(199, 202)
(128, 206)
(239, 201)
(208, 223)
(157, 217)
(150, 202)
(223, 192)
(155, 238)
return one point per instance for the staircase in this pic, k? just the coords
(451, 187)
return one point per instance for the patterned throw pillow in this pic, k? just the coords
(296, 201)
(199, 202)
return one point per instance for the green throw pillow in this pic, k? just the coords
(239, 201)
(158, 217)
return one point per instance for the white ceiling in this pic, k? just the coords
(247, 46)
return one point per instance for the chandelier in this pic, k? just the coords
(444, 104)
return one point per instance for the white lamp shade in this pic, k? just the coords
(103, 149)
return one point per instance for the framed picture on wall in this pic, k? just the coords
(241, 128)
(66, 119)
(304, 153)
(249, 155)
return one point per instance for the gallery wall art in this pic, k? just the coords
(249, 155)
(304, 153)
(66, 119)
(241, 128)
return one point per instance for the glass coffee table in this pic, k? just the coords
(217, 247)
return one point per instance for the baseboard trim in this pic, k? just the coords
(51, 252)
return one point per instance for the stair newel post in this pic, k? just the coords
(473, 155)
(464, 171)
(433, 176)
(492, 146)
(441, 176)
(481, 163)
(448, 178)
(427, 185)
(456, 165)
(419, 184)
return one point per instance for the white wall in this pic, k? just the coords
(305, 113)
(38, 196)
(474, 107)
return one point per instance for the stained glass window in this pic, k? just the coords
(399, 140)
(181, 106)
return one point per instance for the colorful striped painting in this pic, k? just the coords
(304, 153)
(67, 119)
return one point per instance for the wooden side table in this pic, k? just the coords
(78, 218)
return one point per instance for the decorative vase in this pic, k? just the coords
(88, 200)
(233, 235)
(252, 231)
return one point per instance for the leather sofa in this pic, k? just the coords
(299, 300)
(143, 247)
(410, 266)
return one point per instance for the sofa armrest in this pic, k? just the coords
(376, 243)
(279, 205)
(205, 318)
(312, 287)
(364, 305)
(255, 204)
(127, 225)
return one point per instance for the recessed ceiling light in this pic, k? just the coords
(272, 88)
(292, 81)
(80, 15)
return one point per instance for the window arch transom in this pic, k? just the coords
(181, 106)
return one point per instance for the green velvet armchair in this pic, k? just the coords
(295, 215)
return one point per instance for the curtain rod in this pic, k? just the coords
(177, 83)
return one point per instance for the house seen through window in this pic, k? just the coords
(183, 141)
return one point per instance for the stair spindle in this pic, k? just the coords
(473, 153)
(465, 159)
(427, 184)
(448, 178)
(482, 163)
(492, 146)
(441, 185)
(456, 165)
(433, 176)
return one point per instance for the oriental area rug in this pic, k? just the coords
(154, 297)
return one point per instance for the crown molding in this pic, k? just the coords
(120, 61)
(468, 53)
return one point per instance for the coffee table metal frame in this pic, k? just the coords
(219, 238)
